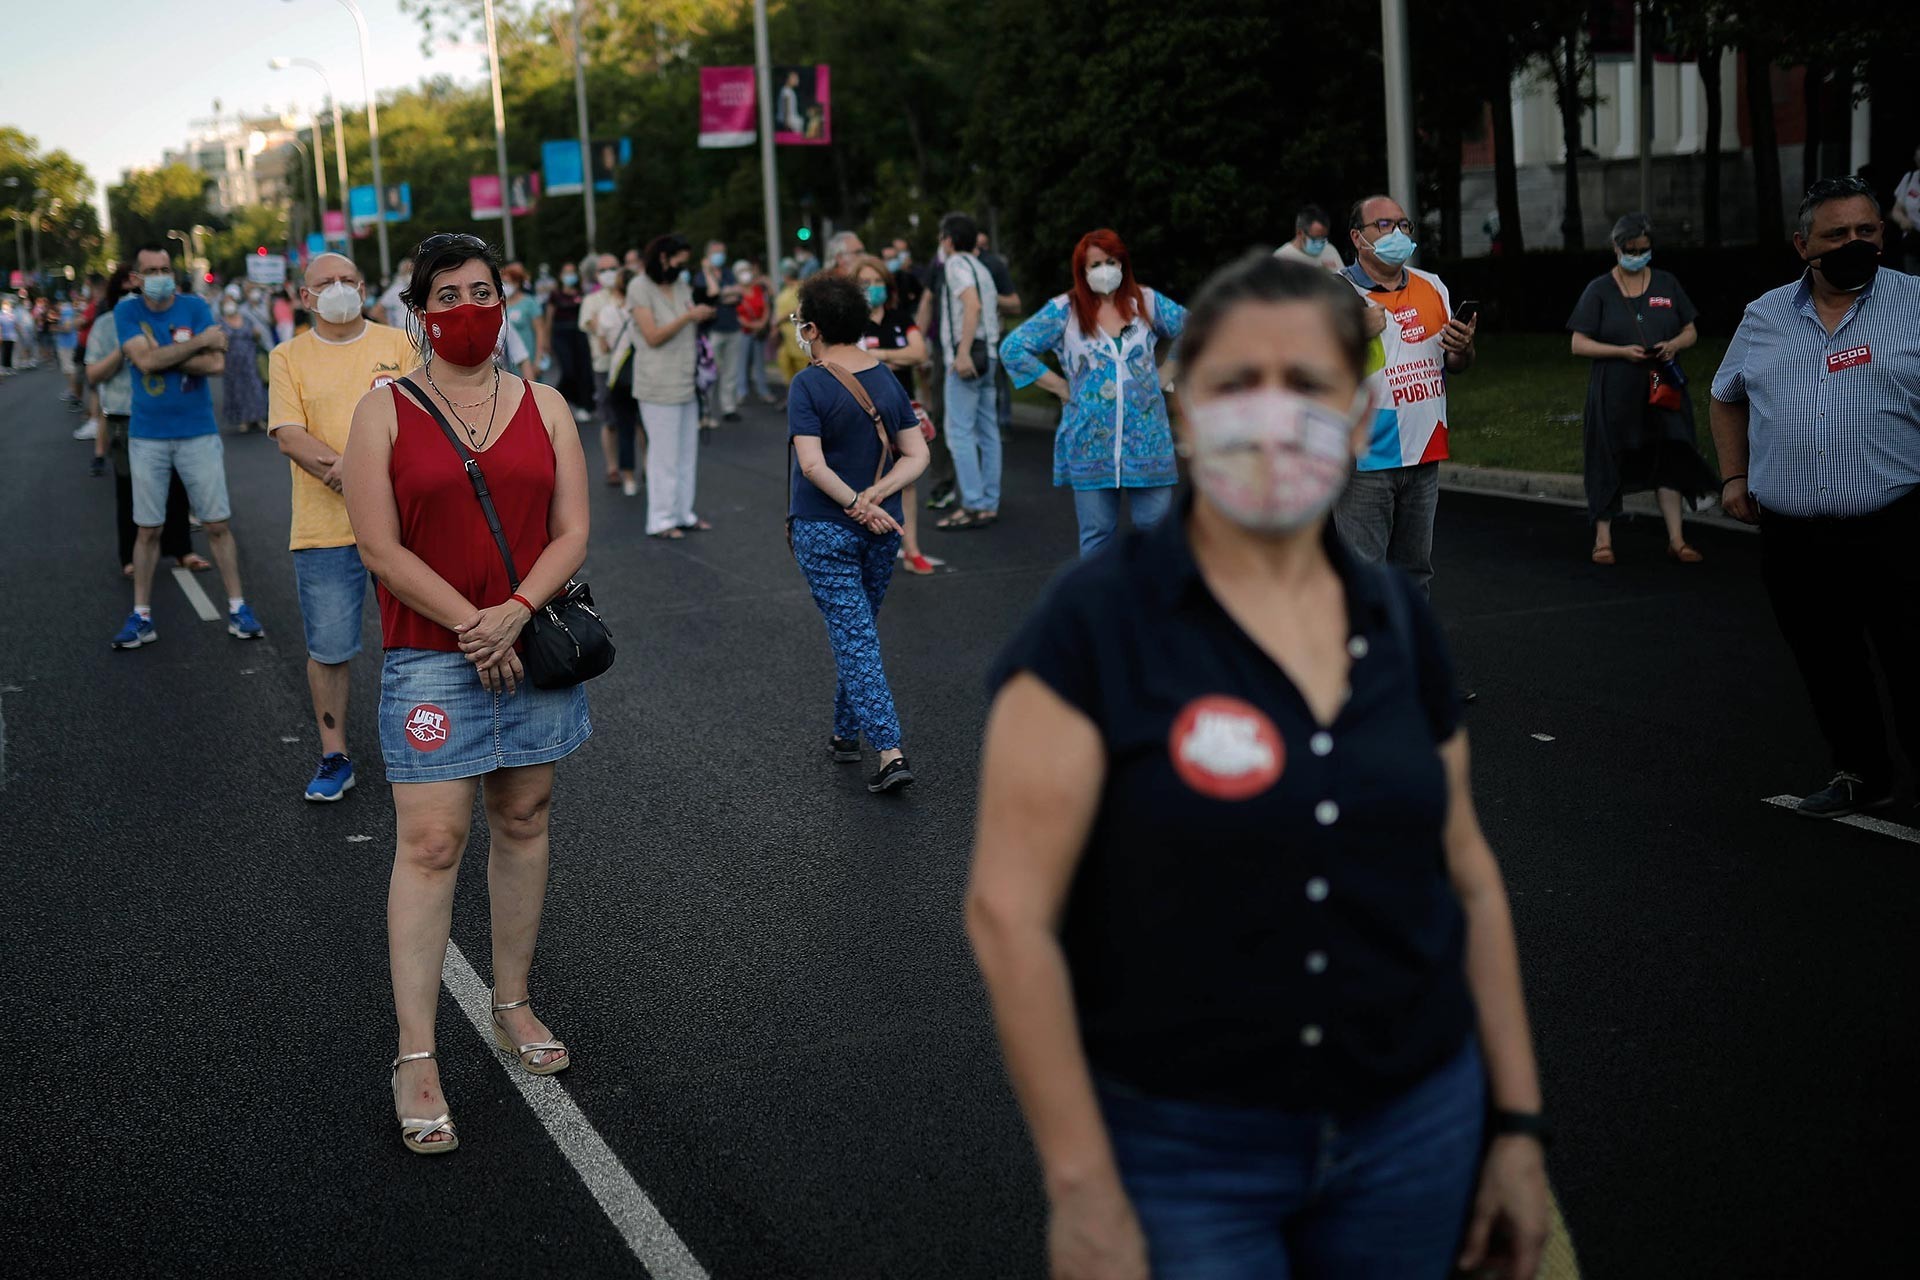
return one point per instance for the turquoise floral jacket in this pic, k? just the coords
(1113, 432)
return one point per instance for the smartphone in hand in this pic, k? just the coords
(1467, 311)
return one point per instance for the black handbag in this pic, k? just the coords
(566, 642)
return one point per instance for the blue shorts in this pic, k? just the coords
(200, 462)
(438, 723)
(333, 592)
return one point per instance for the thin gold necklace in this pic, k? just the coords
(479, 444)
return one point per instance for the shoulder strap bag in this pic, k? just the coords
(567, 643)
(977, 350)
(865, 401)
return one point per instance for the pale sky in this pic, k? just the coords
(116, 82)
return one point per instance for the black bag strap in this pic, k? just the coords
(474, 474)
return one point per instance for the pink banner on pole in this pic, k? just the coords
(333, 224)
(726, 107)
(802, 106)
(483, 194)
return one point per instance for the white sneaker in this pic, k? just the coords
(87, 430)
(630, 487)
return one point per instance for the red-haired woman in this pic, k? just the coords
(1114, 434)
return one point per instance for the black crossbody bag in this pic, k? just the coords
(567, 643)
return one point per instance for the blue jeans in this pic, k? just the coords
(199, 461)
(1234, 1193)
(973, 436)
(1388, 516)
(848, 571)
(333, 590)
(1099, 512)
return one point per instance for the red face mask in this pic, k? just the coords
(464, 335)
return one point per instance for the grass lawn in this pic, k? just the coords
(1521, 405)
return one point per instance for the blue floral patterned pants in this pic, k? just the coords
(848, 572)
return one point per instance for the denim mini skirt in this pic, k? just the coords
(437, 722)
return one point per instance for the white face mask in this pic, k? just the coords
(229, 308)
(608, 279)
(805, 345)
(508, 288)
(1105, 278)
(338, 303)
(1271, 461)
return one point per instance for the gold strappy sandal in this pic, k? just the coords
(416, 1133)
(526, 1052)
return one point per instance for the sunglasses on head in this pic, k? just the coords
(447, 238)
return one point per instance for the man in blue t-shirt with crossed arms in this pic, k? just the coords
(174, 347)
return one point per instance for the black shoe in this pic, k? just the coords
(1847, 793)
(893, 775)
(845, 750)
(729, 417)
(942, 497)
(97, 467)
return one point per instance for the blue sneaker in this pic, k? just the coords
(243, 625)
(333, 779)
(136, 632)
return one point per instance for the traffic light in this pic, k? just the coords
(209, 277)
(804, 234)
(262, 251)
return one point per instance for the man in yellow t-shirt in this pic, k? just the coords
(314, 383)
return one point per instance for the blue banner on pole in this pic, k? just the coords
(560, 163)
(364, 204)
(316, 244)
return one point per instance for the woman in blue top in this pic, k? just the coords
(1113, 432)
(844, 511)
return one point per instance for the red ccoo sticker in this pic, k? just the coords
(427, 727)
(1838, 360)
(1660, 302)
(1226, 748)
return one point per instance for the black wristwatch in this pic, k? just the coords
(1530, 1124)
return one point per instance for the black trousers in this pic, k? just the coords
(1842, 588)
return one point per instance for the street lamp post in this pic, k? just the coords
(39, 271)
(769, 181)
(339, 130)
(19, 247)
(580, 102)
(1397, 64)
(373, 141)
(500, 135)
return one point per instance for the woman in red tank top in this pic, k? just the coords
(454, 704)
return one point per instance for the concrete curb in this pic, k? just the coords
(1551, 487)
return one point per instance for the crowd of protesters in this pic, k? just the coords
(1302, 392)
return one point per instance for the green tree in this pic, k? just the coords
(248, 228)
(50, 190)
(1192, 132)
(145, 207)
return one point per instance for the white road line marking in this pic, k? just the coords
(196, 595)
(1543, 737)
(647, 1233)
(1879, 826)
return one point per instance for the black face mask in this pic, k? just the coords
(1851, 267)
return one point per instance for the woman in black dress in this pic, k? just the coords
(1633, 323)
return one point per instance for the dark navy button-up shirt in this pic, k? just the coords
(1834, 418)
(1262, 915)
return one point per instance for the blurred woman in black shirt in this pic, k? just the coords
(1249, 953)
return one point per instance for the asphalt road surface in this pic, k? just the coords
(779, 1034)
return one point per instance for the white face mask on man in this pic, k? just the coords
(338, 303)
(1271, 461)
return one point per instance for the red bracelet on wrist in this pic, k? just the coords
(523, 602)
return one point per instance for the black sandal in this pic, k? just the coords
(961, 519)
